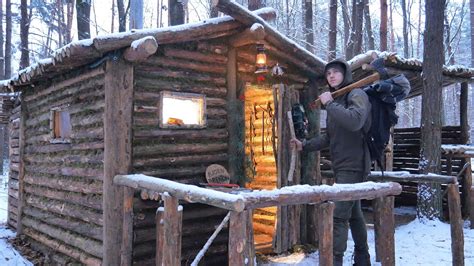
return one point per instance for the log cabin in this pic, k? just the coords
(164, 102)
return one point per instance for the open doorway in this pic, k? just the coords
(260, 145)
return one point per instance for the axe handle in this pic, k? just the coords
(360, 83)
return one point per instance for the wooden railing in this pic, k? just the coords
(241, 250)
(454, 201)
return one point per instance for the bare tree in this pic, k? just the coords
(2, 59)
(175, 12)
(357, 20)
(471, 5)
(83, 8)
(368, 26)
(122, 14)
(430, 194)
(214, 12)
(405, 28)
(392, 34)
(347, 27)
(332, 30)
(24, 27)
(418, 39)
(383, 25)
(136, 14)
(256, 4)
(8, 39)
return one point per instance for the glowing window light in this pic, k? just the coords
(182, 110)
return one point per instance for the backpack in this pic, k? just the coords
(383, 97)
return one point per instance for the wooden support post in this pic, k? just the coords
(160, 236)
(21, 175)
(449, 164)
(463, 110)
(467, 207)
(250, 255)
(455, 219)
(237, 235)
(172, 231)
(326, 225)
(127, 229)
(117, 152)
(384, 230)
(471, 200)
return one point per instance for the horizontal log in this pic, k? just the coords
(141, 49)
(65, 183)
(66, 209)
(174, 173)
(156, 72)
(180, 160)
(82, 228)
(67, 159)
(63, 248)
(188, 134)
(153, 121)
(303, 194)
(169, 149)
(52, 148)
(144, 83)
(88, 245)
(191, 212)
(184, 64)
(406, 176)
(93, 201)
(182, 191)
(196, 56)
(90, 173)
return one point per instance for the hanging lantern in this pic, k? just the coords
(261, 60)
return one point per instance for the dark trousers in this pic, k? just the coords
(349, 213)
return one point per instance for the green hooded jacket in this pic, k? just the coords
(348, 116)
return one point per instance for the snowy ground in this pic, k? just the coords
(415, 244)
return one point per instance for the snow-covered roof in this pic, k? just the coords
(83, 52)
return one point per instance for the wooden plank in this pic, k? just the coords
(127, 229)
(172, 227)
(325, 232)
(384, 223)
(237, 238)
(160, 236)
(117, 152)
(455, 218)
(467, 207)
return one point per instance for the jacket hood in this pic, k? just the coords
(347, 72)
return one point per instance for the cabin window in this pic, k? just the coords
(182, 110)
(60, 124)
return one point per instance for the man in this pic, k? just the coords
(347, 118)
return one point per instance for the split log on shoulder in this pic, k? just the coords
(182, 191)
(404, 176)
(251, 35)
(303, 194)
(88, 245)
(208, 29)
(141, 49)
(63, 248)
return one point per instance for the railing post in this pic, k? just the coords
(237, 234)
(471, 200)
(171, 237)
(467, 207)
(127, 229)
(160, 236)
(384, 230)
(455, 219)
(326, 224)
(250, 240)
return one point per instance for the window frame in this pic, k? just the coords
(183, 95)
(52, 125)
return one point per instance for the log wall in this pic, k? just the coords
(14, 154)
(63, 181)
(180, 155)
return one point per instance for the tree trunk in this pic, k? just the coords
(213, 12)
(8, 39)
(358, 23)
(418, 39)
(83, 19)
(350, 42)
(405, 28)
(332, 30)
(383, 25)
(60, 20)
(175, 12)
(136, 14)
(471, 5)
(112, 26)
(368, 26)
(122, 16)
(392, 34)
(2, 59)
(24, 27)
(430, 194)
(256, 4)
(347, 25)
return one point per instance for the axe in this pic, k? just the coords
(381, 73)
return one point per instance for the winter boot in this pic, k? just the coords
(361, 258)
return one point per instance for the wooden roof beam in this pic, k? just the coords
(141, 49)
(251, 35)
